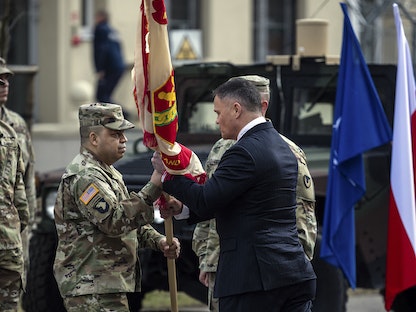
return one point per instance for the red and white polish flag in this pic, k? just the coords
(401, 241)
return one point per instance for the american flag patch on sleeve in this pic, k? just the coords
(89, 193)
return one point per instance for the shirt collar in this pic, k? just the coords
(250, 125)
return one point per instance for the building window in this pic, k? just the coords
(86, 19)
(274, 28)
(183, 14)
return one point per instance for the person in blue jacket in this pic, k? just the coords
(108, 57)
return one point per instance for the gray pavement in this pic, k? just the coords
(365, 301)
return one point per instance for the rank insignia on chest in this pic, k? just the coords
(89, 194)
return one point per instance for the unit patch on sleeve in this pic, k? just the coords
(89, 194)
(307, 181)
(102, 206)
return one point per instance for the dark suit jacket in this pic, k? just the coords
(252, 195)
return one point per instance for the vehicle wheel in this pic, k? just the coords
(331, 286)
(405, 301)
(42, 293)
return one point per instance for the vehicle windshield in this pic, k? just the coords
(202, 118)
(310, 96)
(311, 116)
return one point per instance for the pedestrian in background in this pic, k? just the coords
(14, 217)
(205, 241)
(100, 225)
(108, 57)
(24, 139)
(252, 195)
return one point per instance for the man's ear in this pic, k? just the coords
(237, 109)
(93, 137)
(264, 106)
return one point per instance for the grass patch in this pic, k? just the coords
(161, 299)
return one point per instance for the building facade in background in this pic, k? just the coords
(56, 36)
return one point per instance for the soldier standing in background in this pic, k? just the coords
(206, 241)
(14, 120)
(14, 217)
(100, 225)
(23, 135)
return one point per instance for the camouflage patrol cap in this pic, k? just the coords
(105, 114)
(261, 83)
(3, 67)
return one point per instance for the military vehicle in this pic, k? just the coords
(302, 105)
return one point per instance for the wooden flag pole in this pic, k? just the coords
(171, 267)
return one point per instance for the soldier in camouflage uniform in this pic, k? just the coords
(14, 217)
(206, 241)
(100, 225)
(24, 138)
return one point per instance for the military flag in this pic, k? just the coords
(359, 125)
(155, 97)
(401, 238)
(154, 92)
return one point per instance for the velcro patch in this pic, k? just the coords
(307, 181)
(102, 206)
(89, 193)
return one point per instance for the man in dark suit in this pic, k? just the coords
(252, 196)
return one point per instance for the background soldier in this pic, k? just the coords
(206, 241)
(14, 217)
(14, 120)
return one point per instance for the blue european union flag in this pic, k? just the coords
(360, 124)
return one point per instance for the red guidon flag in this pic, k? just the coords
(401, 241)
(154, 92)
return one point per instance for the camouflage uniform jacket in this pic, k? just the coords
(25, 141)
(14, 211)
(205, 241)
(100, 228)
(305, 198)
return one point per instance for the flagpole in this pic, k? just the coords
(171, 267)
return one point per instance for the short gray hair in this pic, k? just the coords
(84, 132)
(242, 91)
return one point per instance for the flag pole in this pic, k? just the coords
(171, 267)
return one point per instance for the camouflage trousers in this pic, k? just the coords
(11, 269)
(116, 302)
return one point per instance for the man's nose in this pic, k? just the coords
(123, 138)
